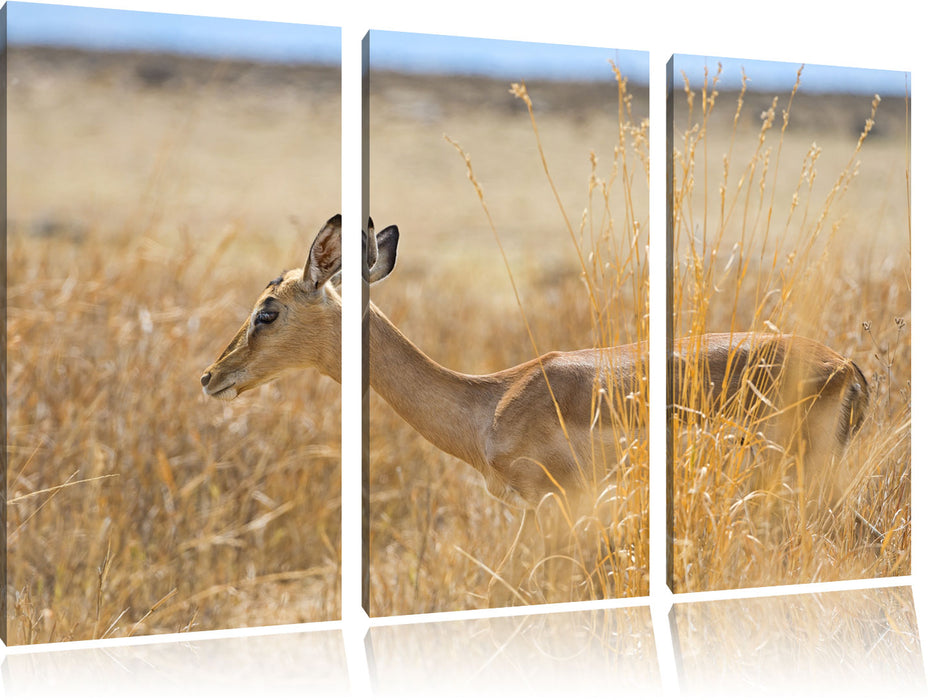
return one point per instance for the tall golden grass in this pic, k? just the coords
(135, 506)
(138, 242)
(437, 537)
(768, 237)
(743, 261)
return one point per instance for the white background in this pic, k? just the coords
(896, 35)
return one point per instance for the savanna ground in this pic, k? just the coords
(436, 535)
(150, 200)
(792, 214)
(581, 276)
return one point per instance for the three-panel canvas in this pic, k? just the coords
(174, 346)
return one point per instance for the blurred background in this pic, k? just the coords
(162, 169)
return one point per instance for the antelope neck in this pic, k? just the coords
(445, 407)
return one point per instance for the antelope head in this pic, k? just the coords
(296, 321)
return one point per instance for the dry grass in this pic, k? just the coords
(552, 257)
(774, 232)
(144, 221)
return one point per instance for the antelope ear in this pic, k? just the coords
(386, 242)
(370, 246)
(324, 256)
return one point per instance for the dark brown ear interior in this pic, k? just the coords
(370, 245)
(386, 243)
(324, 259)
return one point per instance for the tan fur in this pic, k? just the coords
(506, 424)
(801, 396)
(305, 333)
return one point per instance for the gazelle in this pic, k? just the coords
(804, 400)
(529, 429)
(504, 424)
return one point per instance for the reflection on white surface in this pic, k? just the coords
(856, 643)
(291, 665)
(572, 654)
(851, 643)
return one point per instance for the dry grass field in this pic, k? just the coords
(792, 214)
(150, 200)
(436, 534)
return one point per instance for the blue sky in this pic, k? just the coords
(82, 27)
(271, 41)
(770, 76)
(502, 59)
(126, 30)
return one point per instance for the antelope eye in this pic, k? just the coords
(265, 317)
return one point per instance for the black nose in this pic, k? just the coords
(205, 378)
